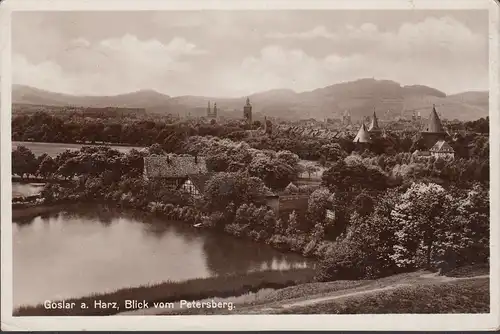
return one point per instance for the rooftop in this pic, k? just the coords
(173, 166)
(442, 147)
(363, 136)
(434, 125)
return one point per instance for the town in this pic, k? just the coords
(332, 191)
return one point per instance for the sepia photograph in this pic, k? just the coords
(200, 160)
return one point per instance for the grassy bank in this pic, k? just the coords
(413, 292)
(32, 211)
(468, 296)
(196, 289)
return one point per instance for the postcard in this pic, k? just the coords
(249, 165)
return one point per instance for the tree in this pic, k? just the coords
(47, 167)
(332, 152)
(156, 149)
(355, 175)
(292, 227)
(224, 188)
(319, 201)
(23, 161)
(310, 169)
(422, 215)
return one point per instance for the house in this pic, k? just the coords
(434, 136)
(421, 154)
(174, 169)
(271, 200)
(194, 184)
(434, 130)
(363, 137)
(442, 150)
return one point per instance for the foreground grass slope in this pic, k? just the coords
(467, 296)
(465, 291)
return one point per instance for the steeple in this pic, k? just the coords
(374, 125)
(247, 112)
(363, 136)
(434, 125)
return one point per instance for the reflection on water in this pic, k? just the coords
(97, 249)
(26, 189)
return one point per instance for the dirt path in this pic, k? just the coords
(432, 277)
(298, 302)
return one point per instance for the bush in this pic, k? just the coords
(344, 263)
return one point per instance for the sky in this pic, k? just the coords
(237, 53)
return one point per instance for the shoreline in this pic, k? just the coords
(21, 142)
(33, 211)
(193, 289)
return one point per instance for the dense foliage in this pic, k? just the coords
(171, 133)
(377, 212)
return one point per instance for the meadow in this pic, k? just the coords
(53, 149)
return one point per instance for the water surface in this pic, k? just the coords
(94, 250)
(26, 189)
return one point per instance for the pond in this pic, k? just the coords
(88, 250)
(26, 189)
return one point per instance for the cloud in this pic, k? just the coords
(432, 33)
(440, 52)
(240, 59)
(280, 67)
(110, 66)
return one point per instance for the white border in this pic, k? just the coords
(243, 322)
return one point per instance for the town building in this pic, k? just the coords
(434, 130)
(442, 150)
(346, 118)
(173, 169)
(363, 137)
(212, 113)
(247, 112)
(194, 184)
(433, 136)
(374, 128)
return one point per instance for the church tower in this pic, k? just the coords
(212, 114)
(374, 128)
(247, 112)
(434, 130)
(363, 136)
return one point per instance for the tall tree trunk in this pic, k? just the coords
(429, 248)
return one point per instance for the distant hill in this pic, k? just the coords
(140, 99)
(360, 97)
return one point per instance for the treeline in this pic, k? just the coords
(171, 134)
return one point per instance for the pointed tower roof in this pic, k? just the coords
(363, 136)
(434, 125)
(374, 126)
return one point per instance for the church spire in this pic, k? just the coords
(434, 124)
(374, 125)
(363, 136)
